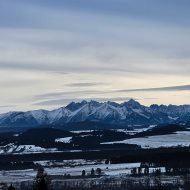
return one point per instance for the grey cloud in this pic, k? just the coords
(122, 8)
(68, 93)
(58, 102)
(21, 66)
(90, 92)
(61, 68)
(108, 52)
(18, 83)
(8, 106)
(169, 88)
(84, 84)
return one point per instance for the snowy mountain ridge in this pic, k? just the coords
(127, 113)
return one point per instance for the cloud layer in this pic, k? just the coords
(81, 49)
(168, 88)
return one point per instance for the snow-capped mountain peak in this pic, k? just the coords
(127, 113)
(132, 104)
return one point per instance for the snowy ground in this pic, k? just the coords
(64, 140)
(30, 149)
(107, 169)
(127, 131)
(26, 149)
(180, 138)
(111, 169)
(135, 131)
(75, 167)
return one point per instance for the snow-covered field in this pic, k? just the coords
(16, 149)
(69, 163)
(180, 138)
(64, 140)
(111, 169)
(73, 168)
(107, 169)
(135, 131)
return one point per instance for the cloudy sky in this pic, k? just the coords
(53, 52)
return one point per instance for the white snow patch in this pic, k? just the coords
(29, 148)
(23, 149)
(64, 140)
(180, 138)
(173, 118)
(81, 131)
(16, 135)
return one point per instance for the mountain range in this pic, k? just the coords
(124, 114)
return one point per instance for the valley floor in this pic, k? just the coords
(153, 158)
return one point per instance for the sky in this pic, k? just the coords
(55, 52)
